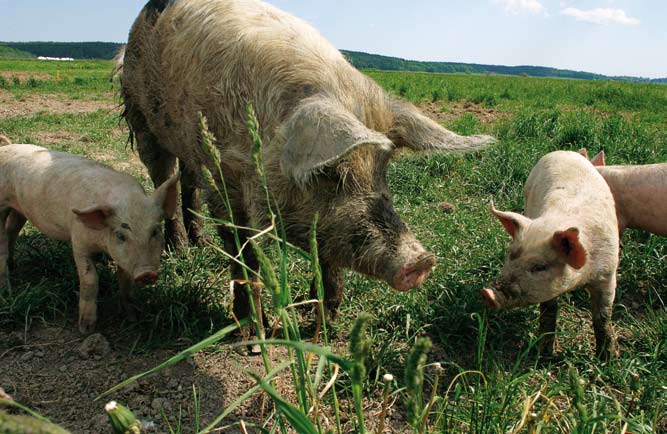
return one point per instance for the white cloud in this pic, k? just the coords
(516, 7)
(601, 16)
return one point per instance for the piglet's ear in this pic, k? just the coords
(583, 152)
(511, 221)
(568, 246)
(94, 217)
(166, 195)
(599, 159)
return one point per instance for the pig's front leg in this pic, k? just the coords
(547, 329)
(333, 282)
(88, 285)
(125, 286)
(4, 252)
(602, 301)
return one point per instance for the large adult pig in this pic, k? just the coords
(329, 131)
(567, 239)
(97, 209)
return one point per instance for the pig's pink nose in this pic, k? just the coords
(489, 298)
(147, 278)
(414, 275)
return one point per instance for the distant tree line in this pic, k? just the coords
(77, 50)
(385, 63)
(107, 50)
(13, 53)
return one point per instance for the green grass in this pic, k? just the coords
(87, 79)
(574, 393)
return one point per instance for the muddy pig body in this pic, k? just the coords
(97, 209)
(568, 238)
(328, 132)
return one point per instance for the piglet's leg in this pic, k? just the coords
(88, 286)
(4, 252)
(13, 226)
(125, 286)
(547, 329)
(602, 300)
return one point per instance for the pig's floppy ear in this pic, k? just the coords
(166, 195)
(94, 217)
(413, 130)
(599, 159)
(319, 133)
(568, 245)
(511, 221)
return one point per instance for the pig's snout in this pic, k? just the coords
(413, 275)
(146, 278)
(490, 299)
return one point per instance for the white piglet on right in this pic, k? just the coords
(567, 239)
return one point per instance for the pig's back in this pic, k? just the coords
(566, 182)
(46, 185)
(216, 56)
(640, 193)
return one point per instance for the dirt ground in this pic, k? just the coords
(448, 112)
(33, 104)
(58, 373)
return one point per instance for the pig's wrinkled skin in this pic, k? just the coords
(328, 132)
(567, 239)
(97, 209)
(640, 193)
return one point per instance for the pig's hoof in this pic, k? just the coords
(86, 326)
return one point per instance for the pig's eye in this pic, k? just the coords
(155, 233)
(121, 237)
(538, 268)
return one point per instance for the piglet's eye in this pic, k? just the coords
(155, 233)
(121, 237)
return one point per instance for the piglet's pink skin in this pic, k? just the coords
(568, 238)
(640, 193)
(97, 209)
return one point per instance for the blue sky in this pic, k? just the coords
(615, 37)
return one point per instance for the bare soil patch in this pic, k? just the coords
(447, 112)
(130, 164)
(33, 104)
(51, 371)
(24, 76)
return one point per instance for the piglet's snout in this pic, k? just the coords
(146, 278)
(414, 274)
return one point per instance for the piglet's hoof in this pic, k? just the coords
(87, 325)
